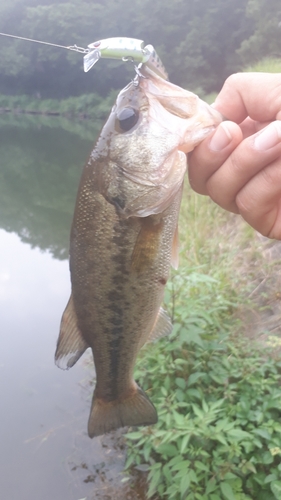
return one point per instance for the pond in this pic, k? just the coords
(45, 451)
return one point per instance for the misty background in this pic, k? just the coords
(200, 42)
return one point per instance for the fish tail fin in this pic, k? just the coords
(108, 416)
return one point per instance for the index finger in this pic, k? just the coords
(257, 95)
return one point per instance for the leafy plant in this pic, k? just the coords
(219, 404)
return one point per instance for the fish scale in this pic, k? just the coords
(124, 239)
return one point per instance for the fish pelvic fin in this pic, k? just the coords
(70, 345)
(162, 326)
(135, 410)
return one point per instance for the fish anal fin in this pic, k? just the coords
(175, 250)
(70, 345)
(147, 244)
(134, 410)
(162, 326)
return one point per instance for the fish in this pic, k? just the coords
(124, 239)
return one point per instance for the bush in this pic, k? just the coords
(266, 65)
(219, 404)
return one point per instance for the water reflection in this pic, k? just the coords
(45, 451)
(39, 170)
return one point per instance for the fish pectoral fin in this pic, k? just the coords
(175, 249)
(162, 326)
(147, 244)
(70, 345)
(137, 409)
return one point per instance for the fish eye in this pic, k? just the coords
(127, 119)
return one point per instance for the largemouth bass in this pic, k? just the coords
(124, 239)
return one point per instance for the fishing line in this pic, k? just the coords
(125, 49)
(74, 48)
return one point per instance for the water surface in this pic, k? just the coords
(45, 451)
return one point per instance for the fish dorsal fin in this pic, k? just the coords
(70, 345)
(175, 249)
(162, 326)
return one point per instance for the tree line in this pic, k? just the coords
(200, 42)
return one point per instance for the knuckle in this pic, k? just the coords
(244, 204)
(270, 176)
(250, 200)
(219, 195)
(233, 80)
(213, 191)
(237, 163)
(274, 98)
(197, 184)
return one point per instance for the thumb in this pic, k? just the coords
(211, 153)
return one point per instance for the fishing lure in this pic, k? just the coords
(126, 49)
(122, 48)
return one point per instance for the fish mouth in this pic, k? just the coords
(149, 159)
(183, 112)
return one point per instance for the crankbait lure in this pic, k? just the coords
(122, 48)
(126, 49)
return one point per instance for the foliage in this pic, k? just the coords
(200, 43)
(85, 106)
(266, 65)
(218, 400)
(207, 45)
(265, 40)
(197, 41)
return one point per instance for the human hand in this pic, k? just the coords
(239, 165)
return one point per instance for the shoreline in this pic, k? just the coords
(19, 111)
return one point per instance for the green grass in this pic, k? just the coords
(216, 240)
(266, 65)
(216, 388)
(218, 395)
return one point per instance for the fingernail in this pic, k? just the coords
(221, 138)
(268, 137)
